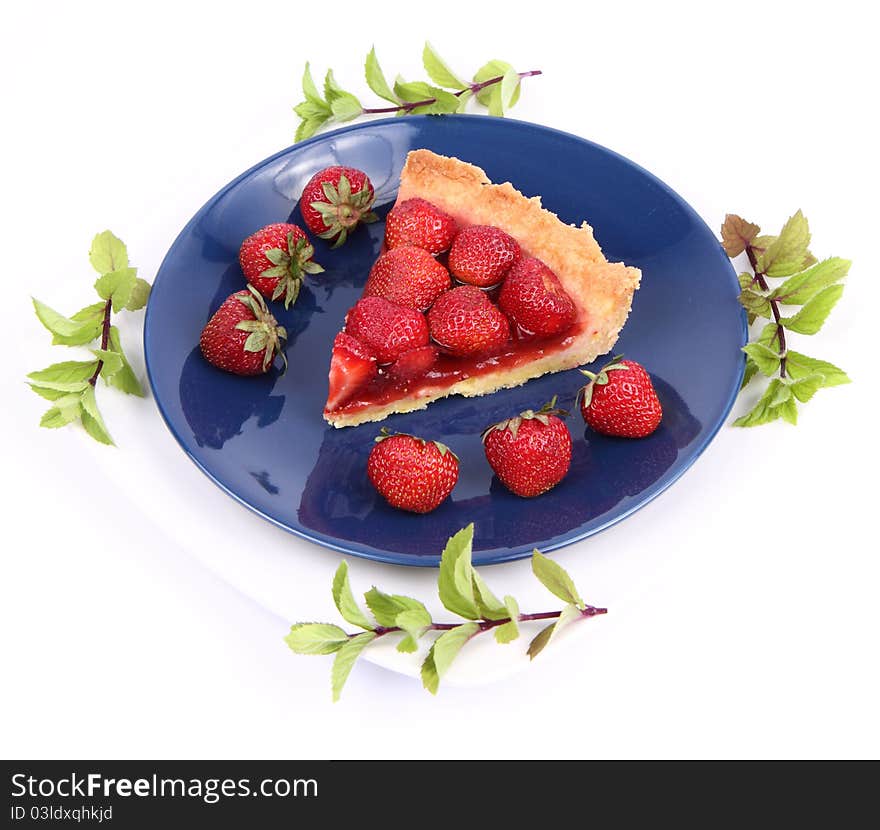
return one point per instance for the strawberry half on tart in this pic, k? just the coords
(478, 288)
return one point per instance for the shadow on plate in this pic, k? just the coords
(339, 500)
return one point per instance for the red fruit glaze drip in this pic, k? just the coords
(448, 369)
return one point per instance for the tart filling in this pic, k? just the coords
(601, 292)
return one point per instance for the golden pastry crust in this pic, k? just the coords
(601, 290)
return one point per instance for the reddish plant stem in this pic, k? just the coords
(408, 106)
(105, 339)
(485, 625)
(774, 308)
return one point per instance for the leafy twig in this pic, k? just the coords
(71, 385)
(462, 591)
(813, 285)
(496, 85)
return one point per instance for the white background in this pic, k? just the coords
(743, 601)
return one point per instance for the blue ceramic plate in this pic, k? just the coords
(263, 440)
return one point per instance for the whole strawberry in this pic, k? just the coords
(465, 322)
(620, 400)
(408, 276)
(481, 255)
(352, 366)
(535, 301)
(530, 453)
(242, 337)
(335, 200)
(411, 473)
(274, 260)
(386, 328)
(418, 222)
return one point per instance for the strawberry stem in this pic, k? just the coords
(774, 308)
(486, 625)
(105, 339)
(408, 106)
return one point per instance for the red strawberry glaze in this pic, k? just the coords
(384, 388)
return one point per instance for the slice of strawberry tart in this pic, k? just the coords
(478, 288)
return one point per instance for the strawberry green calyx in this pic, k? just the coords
(600, 378)
(343, 209)
(264, 331)
(385, 433)
(290, 267)
(542, 415)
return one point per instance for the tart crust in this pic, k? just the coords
(601, 290)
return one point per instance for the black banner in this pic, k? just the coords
(420, 794)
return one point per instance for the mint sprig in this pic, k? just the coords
(495, 85)
(812, 285)
(462, 591)
(70, 385)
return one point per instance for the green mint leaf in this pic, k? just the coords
(430, 677)
(763, 412)
(455, 582)
(140, 293)
(124, 379)
(766, 360)
(463, 101)
(91, 417)
(345, 660)
(490, 607)
(447, 646)
(386, 607)
(316, 638)
(736, 234)
(346, 107)
(782, 394)
(804, 388)
(510, 630)
(332, 90)
(750, 371)
(752, 298)
(540, 640)
(376, 78)
(496, 107)
(788, 411)
(545, 637)
(73, 332)
(309, 88)
(309, 109)
(407, 645)
(67, 408)
(71, 386)
(800, 288)
(814, 313)
(800, 366)
(117, 286)
(345, 601)
(438, 71)
(787, 253)
(412, 91)
(509, 88)
(414, 621)
(493, 69)
(308, 128)
(108, 253)
(555, 578)
(93, 313)
(70, 371)
(769, 335)
(49, 394)
(444, 103)
(112, 362)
